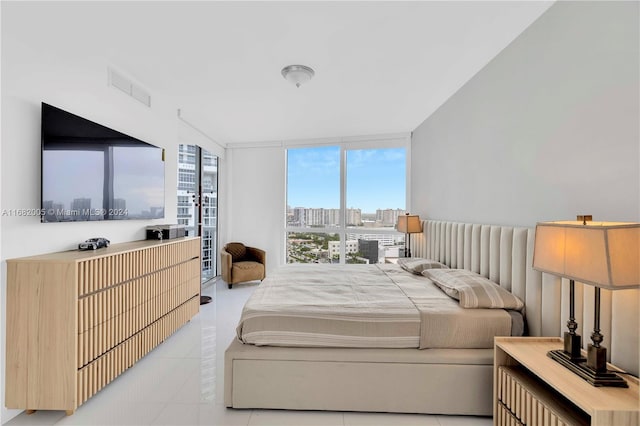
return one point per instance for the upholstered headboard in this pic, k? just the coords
(504, 254)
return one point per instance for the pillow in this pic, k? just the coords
(237, 251)
(416, 265)
(473, 290)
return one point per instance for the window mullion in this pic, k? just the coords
(343, 204)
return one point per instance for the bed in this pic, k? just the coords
(392, 368)
(373, 306)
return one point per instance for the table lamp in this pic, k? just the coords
(409, 224)
(601, 254)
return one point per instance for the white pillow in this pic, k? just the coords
(473, 290)
(416, 265)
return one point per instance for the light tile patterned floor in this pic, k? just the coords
(181, 383)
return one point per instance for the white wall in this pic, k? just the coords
(81, 89)
(547, 130)
(255, 200)
(32, 73)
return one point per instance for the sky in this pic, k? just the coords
(138, 177)
(376, 178)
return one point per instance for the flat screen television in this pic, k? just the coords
(91, 172)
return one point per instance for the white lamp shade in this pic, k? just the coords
(409, 224)
(603, 254)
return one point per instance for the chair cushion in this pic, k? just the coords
(246, 271)
(237, 251)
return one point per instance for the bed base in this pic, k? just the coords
(430, 381)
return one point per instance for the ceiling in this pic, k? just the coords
(381, 67)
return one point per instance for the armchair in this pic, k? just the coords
(241, 263)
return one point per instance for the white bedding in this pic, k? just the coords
(364, 306)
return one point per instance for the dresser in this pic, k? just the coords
(78, 319)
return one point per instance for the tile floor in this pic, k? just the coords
(181, 383)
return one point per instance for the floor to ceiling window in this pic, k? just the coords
(375, 196)
(343, 202)
(313, 204)
(198, 201)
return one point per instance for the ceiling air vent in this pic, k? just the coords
(121, 82)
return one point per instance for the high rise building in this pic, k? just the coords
(351, 246)
(81, 209)
(315, 217)
(388, 217)
(369, 249)
(354, 217)
(299, 217)
(382, 239)
(332, 217)
(54, 212)
(188, 207)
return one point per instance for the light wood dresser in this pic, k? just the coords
(532, 389)
(78, 319)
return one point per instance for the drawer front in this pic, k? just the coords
(101, 371)
(109, 317)
(99, 273)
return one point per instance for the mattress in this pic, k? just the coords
(363, 306)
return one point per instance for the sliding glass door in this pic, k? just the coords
(198, 201)
(209, 213)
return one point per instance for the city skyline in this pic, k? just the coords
(308, 216)
(375, 178)
(137, 176)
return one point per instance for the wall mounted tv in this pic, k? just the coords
(93, 173)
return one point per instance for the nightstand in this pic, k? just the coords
(530, 388)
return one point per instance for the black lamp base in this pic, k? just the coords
(572, 345)
(595, 378)
(597, 358)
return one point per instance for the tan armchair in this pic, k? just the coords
(241, 263)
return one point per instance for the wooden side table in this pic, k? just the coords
(531, 388)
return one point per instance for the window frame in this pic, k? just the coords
(348, 144)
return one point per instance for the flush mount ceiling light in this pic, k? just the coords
(297, 74)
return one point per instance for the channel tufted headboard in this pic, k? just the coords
(504, 254)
